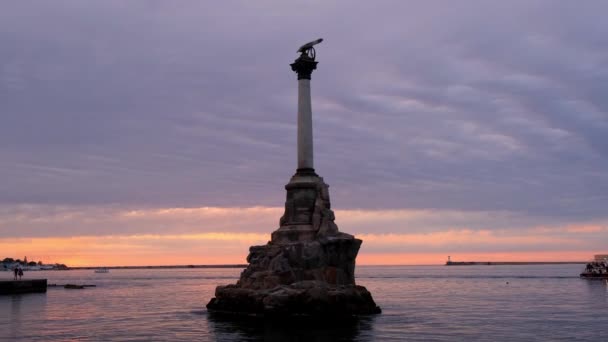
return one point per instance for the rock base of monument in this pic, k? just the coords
(308, 267)
(306, 298)
(314, 278)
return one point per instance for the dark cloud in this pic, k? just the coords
(475, 106)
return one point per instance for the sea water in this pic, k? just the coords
(419, 303)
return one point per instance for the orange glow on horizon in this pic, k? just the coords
(232, 248)
(136, 250)
(223, 235)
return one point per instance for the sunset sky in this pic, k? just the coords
(163, 132)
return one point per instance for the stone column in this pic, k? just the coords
(305, 144)
(307, 207)
(304, 66)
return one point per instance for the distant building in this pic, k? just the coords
(9, 266)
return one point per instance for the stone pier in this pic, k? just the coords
(22, 286)
(308, 266)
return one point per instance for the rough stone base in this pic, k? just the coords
(328, 260)
(306, 269)
(305, 298)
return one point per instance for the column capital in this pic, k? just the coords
(304, 66)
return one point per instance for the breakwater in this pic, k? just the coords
(22, 286)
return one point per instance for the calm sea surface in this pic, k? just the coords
(420, 303)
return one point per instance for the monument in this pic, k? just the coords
(308, 266)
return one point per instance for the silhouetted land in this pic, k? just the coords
(157, 267)
(473, 263)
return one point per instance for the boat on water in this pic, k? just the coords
(102, 270)
(596, 269)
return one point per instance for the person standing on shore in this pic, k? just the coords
(20, 272)
(16, 271)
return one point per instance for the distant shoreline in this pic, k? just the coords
(499, 263)
(450, 263)
(156, 267)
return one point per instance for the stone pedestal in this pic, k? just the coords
(308, 267)
(308, 213)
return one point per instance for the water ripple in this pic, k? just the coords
(426, 303)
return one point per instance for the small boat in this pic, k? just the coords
(596, 269)
(73, 286)
(102, 270)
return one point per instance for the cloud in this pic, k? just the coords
(119, 236)
(480, 108)
(50, 221)
(377, 248)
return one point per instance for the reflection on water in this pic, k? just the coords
(15, 315)
(422, 303)
(598, 289)
(226, 328)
